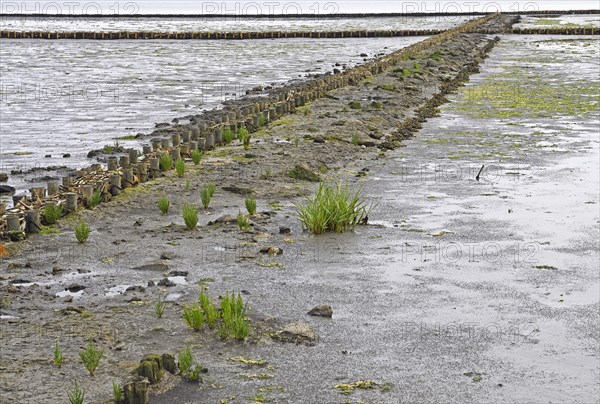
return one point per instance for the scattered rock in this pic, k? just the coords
(66, 155)
(272, 251)
(284, 230)
(48, 156)
(238, 190)
(7, 190)
(56, 270)
(178, 273)
(18, 281)
(75, 288)
(3, 177)
(136, 288)
(166, 282)
(319, 139)
(166, 255)
(297, 333)
(159, 266)
(322, 310)
(225, 219)
(304, 173)
(68, 299)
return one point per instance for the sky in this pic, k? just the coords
(244, 7)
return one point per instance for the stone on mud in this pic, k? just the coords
(297, 333)
(158, 266)
(304, 173)
(322, 310)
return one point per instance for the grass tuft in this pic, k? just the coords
(164, 204)
(234, 320)
(95, 199)
(91, 358)
(52, 213)
(196, 156)
(243, 222)
(190, 216)
(58, 356)
(117, 392)
(193, 317)
(82, 232)
(250, 203)
(180, 167)
(210, 310)
(185, 359)
(159, 308)
(334, 208)
(206, 196)
(76, 395)
(166, 162)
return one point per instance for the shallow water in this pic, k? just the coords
(320, 23)
(73, 96)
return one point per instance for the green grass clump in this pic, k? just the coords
(241, 133)
(82, 232)
(387, 87)
(163, 204)
(234, 320)
(196, 156)
(376, 105)
(211, 313)
(227, 135)
(185, 359)
(180, 167)
(261, 120)
(243, 222)
(117, 392)
(95, 199)
(52, 213)
(334, 208)
(76, 395)
(355, 139)
(206, 196)
(58, 356)
(250, 203)
(296, 140)
(355, 105)
(91, 358)
(166, 162)
(190, 216)
(159, 308)
(193, 317)
(212, 188)
(417, 67)
(245, 138)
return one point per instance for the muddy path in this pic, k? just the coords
(459, 290)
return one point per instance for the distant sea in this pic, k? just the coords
(316, 7)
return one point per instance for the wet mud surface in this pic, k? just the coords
(459, 290)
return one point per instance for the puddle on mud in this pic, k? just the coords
(66, 293)
(116, 290)
(178, 280)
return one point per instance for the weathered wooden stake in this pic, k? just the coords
(175, 154)
(70, 201)
(154, 167)
(32, 221)
(13, 222)
(115, 184)
(127, 178)
(124, 161)
(165, 144)
(112, 163)
(133, 156)
(67, 182)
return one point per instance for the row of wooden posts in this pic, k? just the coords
(204, 134)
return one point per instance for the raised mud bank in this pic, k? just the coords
(422, 82)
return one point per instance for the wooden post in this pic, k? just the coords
(201, 143)
(133, 156)
(115, 184)
(195, 132)
(53, 187)
(96, 167)
(156, 144)
(154, 167)
(165, 144)
(2, 208)
(185, 149)
(185, 137)
(13, 222)
(209, 141)
(176, 139)
(71, 201)
(218, 137)
(147, 149)
(193, 146)
(67, 181)
(87, 191)
(124, 161)
(175, 154)
(37, 193)
(127, 179)
(142, 171)
(32, 221)
(112, 163)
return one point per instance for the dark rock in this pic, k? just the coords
(159, 266)
(321, 310)
(3, 177)
(57, 270)
(166, 282)
(304, 173)
(136, 288)
(284, 230)
(48, 156)
(94, 153)
(66, 155)
(296, 333)
(178, 273)
(18, 281)
(151, 283)
(336, 71)
(75, 288)
(7, 190)
(272, 251)
(363, 55)
(238, 190)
